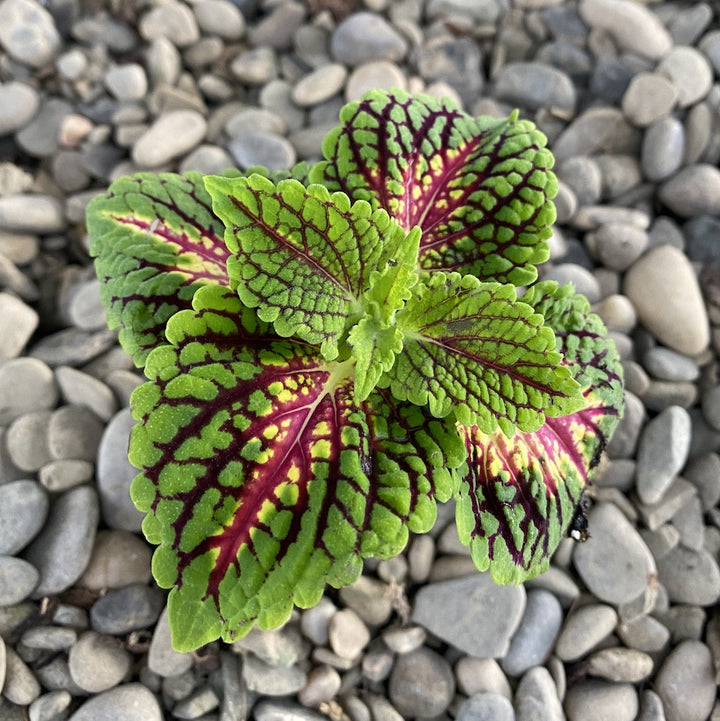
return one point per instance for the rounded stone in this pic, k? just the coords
(260, 148)
(62, 549)
(619, 245)
(32, 213)
(620, 664)
(600, 700)
(26, 384)
(173, 134)
(614, 563)
(365, 36)
(21, 687)
(320, 85)
(472, 614)
(374, 74)
(115, 474)
(690, 73)
(221, 18)
(348, 634)
(172, 20)
(369, 598)
(536, 698)
(82, 389)
(18, 579)
(534, 85)
(663, 149)
(74, 431)
(130, 702)
(118, 558)
(51, 706)
(690, 576)
(662, 452)
(270, 680)
(584, 629)
(18, 322)
(617, 313)
(97, 663)
(126, 609)
(323, 684)
(681, 325)
(633, 27)
(256, 66)
(582, 175)
(486, 707)
(535, 636)
(18, 104)
(23, 510)
(695, 190)
(27, 440)
(28, 32)
(649, 97)
(421, 683)
(686, 682)
(669, 365)
(481, 675)
(127, 82)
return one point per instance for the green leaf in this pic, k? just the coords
(300, 255)
(374, 348)
(480, 189)
(263, 479)
(472, 347)
(518, 496)
(155, 240)
(376, 338)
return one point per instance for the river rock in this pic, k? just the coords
(62, 549)
(473, 614)
(633, 27)
(614, 562)
(173, 134)
(686, 683)
(28, 32)
(681, 324)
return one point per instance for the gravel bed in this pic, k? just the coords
(623, 627)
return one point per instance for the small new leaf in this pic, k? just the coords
(376, 338)
(472, 347)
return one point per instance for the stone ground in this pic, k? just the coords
(623, 627)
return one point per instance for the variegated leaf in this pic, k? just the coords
(263, 479)
(519, 495)
(474, 349)
(155, 240)
(480, 189)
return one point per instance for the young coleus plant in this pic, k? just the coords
(333, 350)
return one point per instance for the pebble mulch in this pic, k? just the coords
(623, 627)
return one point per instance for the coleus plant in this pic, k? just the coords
(332, 350)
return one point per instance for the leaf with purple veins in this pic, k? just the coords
(480, 189)
(262, 479)
(156, 241)
(518, 496)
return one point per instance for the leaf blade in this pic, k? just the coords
(301, 256)
(472, 348)
(481, 189)
(155, 241)
(263, 479)
(518, 497)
